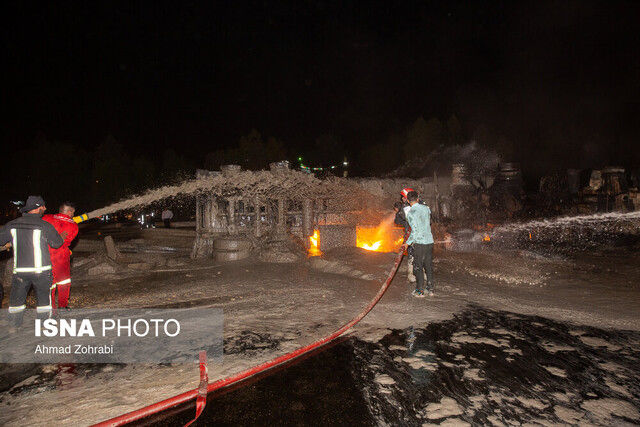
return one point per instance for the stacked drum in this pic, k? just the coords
(231, 248)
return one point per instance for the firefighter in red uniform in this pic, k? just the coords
(60, 258)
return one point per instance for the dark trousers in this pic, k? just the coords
(20, 286)
(422, 261)
(167, 223)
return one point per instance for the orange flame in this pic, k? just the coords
(486, 238)
(314, 249)
(373, 247)
(383, 238)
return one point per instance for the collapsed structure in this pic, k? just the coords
(283, 202)
(256, 204)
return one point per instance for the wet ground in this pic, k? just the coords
(483, 368)
(490, 365)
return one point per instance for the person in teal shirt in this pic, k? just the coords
(421, 239)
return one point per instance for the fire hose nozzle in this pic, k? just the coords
(80, 218)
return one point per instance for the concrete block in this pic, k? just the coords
(112, 252)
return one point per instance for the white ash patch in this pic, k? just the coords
(527, 278)
(372, 335)
(599, 342)
(502, 331)
(612, 367)
(513, 351)
(477, 401)
(568, 415)
(473, 374)
(496, 397)
(419, 363)
(32, 379)
(553, 348)
(453, 422)
(447, 407)
(536, 422)
(384, 379)
(531, 403)
(397, 347)
(563, 397)
(556, 371)
(603, 410)
(495, 421)
(464, 338)
(610, 382)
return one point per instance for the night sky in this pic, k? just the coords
(552, 76)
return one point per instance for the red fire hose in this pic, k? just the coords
(224, 382)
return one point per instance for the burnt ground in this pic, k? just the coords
(476, 368)
(511, 336)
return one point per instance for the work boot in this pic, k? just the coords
(430, 289)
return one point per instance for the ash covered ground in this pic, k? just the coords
(513, 335)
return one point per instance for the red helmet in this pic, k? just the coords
(406, 191)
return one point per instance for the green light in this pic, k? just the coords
(300, 158)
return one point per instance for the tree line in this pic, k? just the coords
(101, 174)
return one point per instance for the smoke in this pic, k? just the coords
(475, 158)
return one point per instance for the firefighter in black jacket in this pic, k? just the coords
(30, 237)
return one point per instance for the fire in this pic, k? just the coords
(314, 239)
(314, 249)
(486, 238)
(383, 238)
(373, 247)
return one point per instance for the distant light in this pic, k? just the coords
(333, 167)
(345, 163)
(300, 158)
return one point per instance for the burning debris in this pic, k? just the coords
(314, 244)
(321, 214)
(383, 238)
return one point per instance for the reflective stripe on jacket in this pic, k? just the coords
(30, 238)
